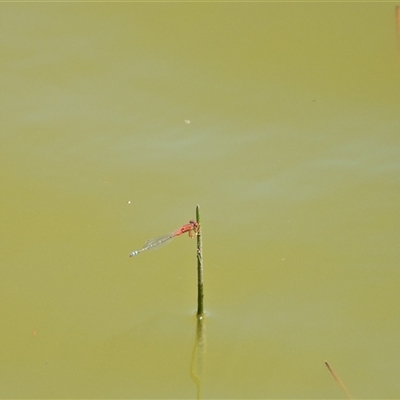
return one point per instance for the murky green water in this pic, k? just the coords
(280, 119)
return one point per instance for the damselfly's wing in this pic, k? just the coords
(158, 242)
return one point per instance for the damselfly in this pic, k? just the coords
(152, 244)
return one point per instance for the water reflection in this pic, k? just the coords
(197, 361)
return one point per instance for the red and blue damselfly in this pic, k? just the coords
(192, 228)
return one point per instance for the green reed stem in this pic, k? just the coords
(200, 294)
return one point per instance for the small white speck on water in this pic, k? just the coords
(187, 121)
(129, 202)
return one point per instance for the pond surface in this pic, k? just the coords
(280, 119)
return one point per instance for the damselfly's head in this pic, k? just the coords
(195, 228)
